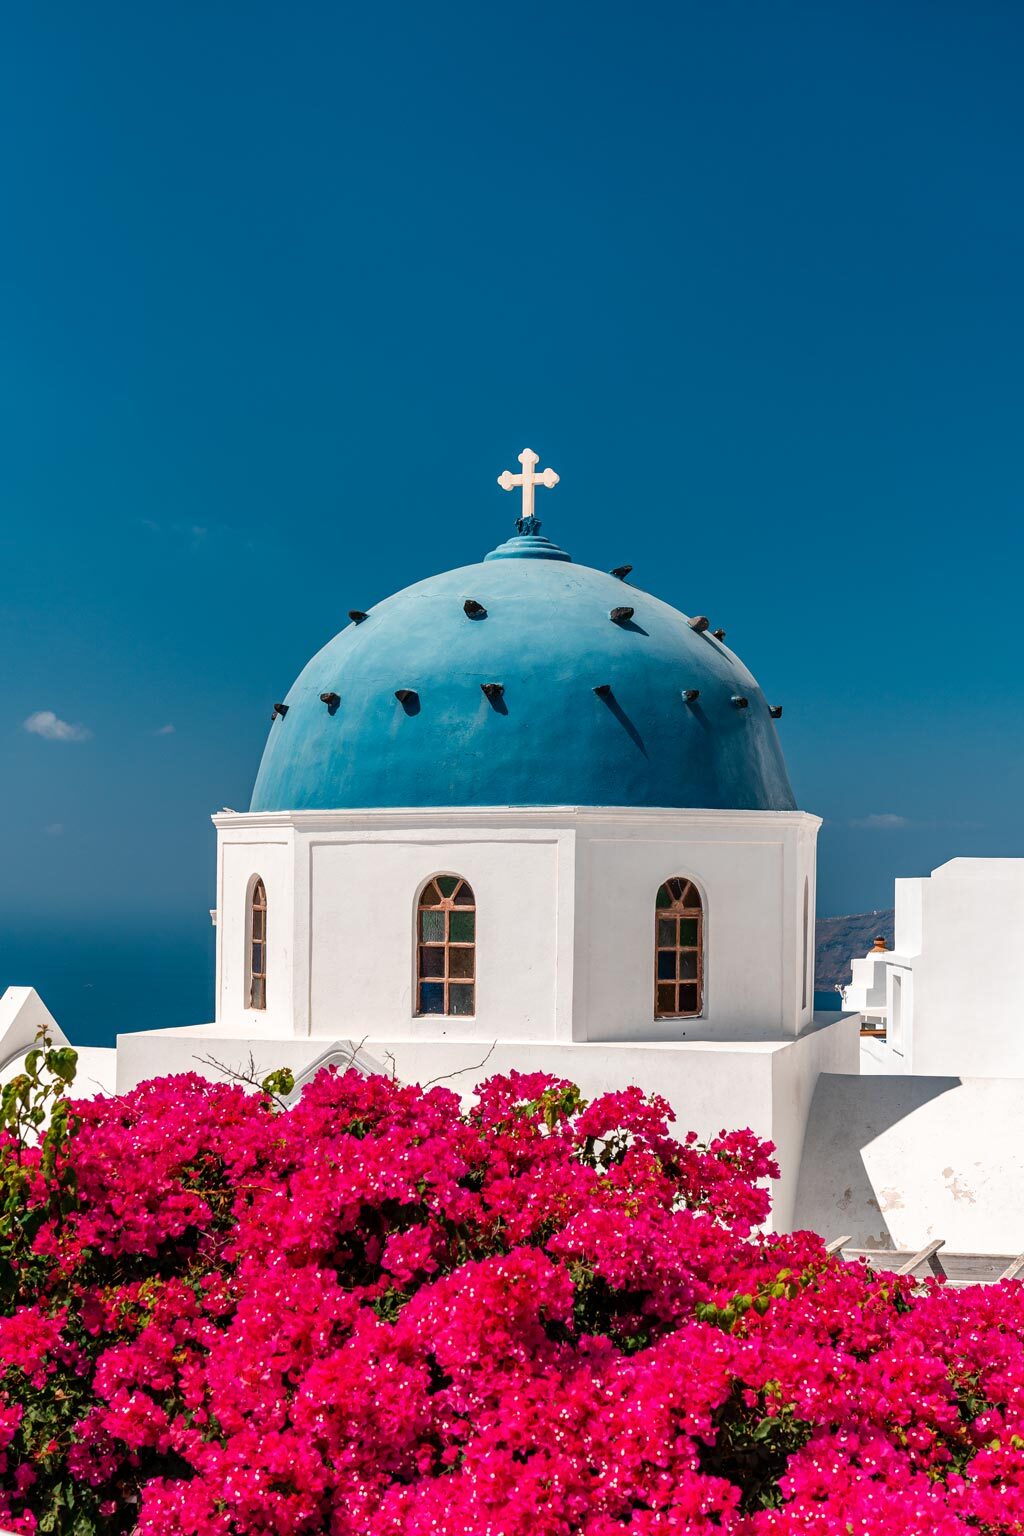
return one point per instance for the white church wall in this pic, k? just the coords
(804, 893)
(806, 896)
(241, 858)
(364, 894)
(565, 919)
(750, 868)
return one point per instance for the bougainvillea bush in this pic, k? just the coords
(379, 1314)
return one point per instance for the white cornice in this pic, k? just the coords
(553, 816)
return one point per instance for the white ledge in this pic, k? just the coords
(508, 815)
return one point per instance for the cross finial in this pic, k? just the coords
(528, 479)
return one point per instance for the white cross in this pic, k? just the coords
(508, 482)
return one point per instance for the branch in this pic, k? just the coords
(459, 1070)
(354, 1052)
(249, 1078)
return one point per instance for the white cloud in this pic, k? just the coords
(164, 730)
(881, 821)
(195, 535)
(888, 821)
(48, 725)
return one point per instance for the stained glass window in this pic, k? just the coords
(258, 946)
(446, 947)
(678, 951)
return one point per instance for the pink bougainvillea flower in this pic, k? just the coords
(381, 1314)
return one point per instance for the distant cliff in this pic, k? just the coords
(838, 939)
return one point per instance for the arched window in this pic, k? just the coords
(679, 951)
(257, 966)
(446, 947)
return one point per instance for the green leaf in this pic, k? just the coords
(280, 1083)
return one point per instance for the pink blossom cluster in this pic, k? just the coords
(379, 1314)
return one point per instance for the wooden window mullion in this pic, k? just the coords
(447, 953)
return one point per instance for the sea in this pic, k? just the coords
(828, 1002)
(99, 981)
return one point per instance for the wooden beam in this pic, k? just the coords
(838, 1244)
(926, 1254)
(1014, 1269)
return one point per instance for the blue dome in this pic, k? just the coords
(546, 736)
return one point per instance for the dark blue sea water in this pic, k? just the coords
(827, 1002)
(101, 980)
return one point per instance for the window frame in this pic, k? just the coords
(256, 981)
(677, 910)
(446, 946)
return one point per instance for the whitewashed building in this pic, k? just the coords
(925, 1143)
(947, 998)
(525, 815)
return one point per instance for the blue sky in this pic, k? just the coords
(285, 287)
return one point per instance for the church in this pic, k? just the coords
(524, 815)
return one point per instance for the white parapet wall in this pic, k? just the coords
(22, 1015)
(897, 1161)
(711, 1085)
